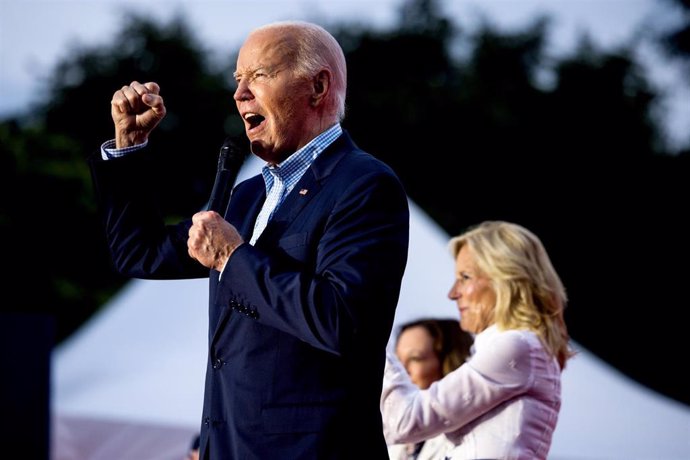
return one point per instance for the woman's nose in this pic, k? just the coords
(454, 292)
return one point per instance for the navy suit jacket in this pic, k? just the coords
(299, 322)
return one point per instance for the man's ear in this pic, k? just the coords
(321, 86)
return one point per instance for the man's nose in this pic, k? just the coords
(242, 92)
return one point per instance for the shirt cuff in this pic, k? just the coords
(109, 151)
(223, 269)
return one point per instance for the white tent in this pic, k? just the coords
(129, 383)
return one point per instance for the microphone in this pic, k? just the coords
(230, 160)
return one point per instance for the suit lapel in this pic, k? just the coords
(245, 204)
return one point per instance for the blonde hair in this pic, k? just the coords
(529, 292)
(312, 49)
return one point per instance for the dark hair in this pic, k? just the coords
(451, 344)
(195, 442)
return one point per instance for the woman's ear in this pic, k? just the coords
(321, 86)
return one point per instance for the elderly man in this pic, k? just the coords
(305, 265)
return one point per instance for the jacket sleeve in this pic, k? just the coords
(499, 371)
(141, 245)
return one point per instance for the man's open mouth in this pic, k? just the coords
(254, 119)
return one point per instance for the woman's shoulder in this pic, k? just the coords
(507, 340)
(505, 353)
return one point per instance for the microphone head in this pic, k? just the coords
(230, 160)
(232, 155)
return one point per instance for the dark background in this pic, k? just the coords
(582, 162)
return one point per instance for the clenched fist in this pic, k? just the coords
(212, 239)
(136, 109)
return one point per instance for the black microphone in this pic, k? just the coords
(230, 161)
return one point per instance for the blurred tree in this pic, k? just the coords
(677, 41)
(60, 260)
(201, 110)
(403, 93)
(604, 102)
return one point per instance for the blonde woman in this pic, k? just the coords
(503, 403)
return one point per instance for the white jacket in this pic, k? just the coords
(435, 448)
(502, 403)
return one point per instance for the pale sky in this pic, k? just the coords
(35, 34)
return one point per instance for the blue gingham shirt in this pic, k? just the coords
(109, 151)
(285, 175)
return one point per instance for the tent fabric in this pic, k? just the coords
(84, 438)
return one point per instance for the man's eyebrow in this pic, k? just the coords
(241, 73)
(267, 69)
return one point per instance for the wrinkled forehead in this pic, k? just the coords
(266, 48)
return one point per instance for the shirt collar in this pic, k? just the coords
(298, 162)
